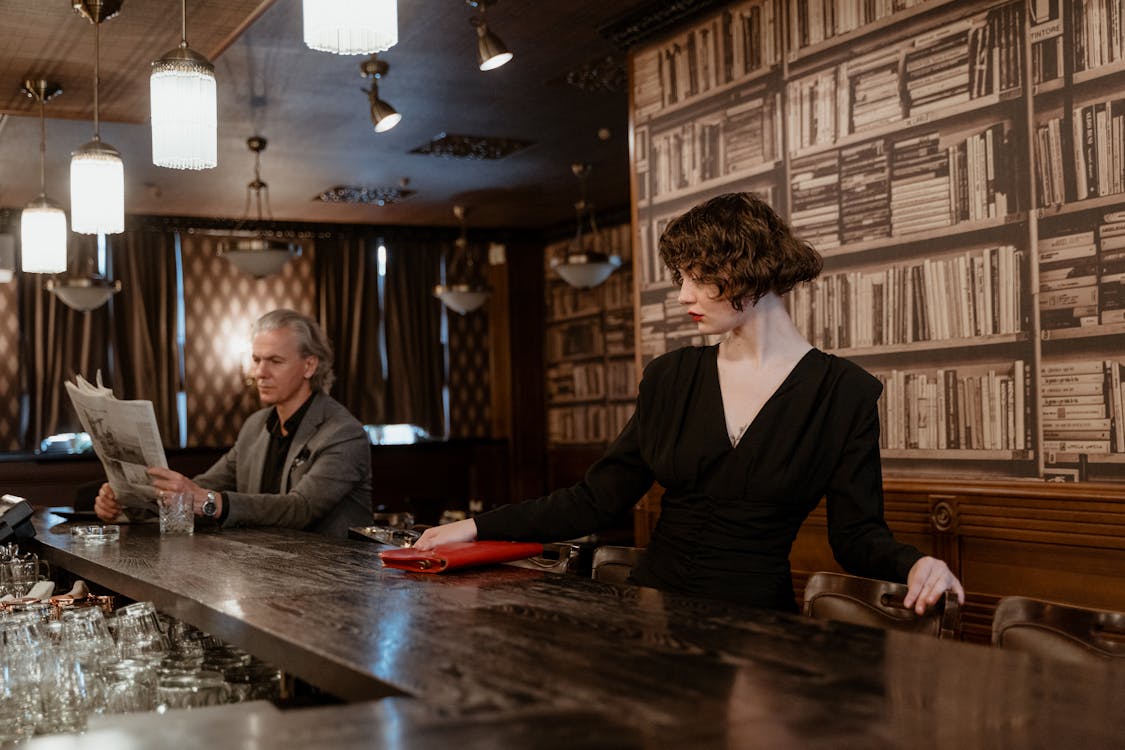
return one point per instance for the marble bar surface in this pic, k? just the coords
(483, 652)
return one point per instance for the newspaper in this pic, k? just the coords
(125, 438)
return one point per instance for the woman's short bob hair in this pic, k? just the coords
(311, 342)
(740, 245)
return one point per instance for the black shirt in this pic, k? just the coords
(729, 514)
(274, 467)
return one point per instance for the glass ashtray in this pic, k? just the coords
(96, 533)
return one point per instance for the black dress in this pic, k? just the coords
(730, 514)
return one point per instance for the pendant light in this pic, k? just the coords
(254, 252)
(43, 223)
(585, 267)
(383, 115)
(351, 27)
(467, 293)
(97, 175)
(491, 52)
(184, 112)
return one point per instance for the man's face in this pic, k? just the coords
(280, 371)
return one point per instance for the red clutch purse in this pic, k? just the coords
(458, 555)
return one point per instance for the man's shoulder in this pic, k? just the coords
(336, 416)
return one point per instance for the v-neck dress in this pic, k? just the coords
(730, 514)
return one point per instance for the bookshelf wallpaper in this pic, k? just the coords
(969, 203)
(221, 303)
(9, 367)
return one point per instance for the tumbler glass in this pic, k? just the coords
(177, 513)
(190, 690)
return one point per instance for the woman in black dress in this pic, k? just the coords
(745, 436)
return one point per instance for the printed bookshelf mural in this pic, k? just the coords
(972, 222)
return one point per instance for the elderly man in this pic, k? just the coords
(302, 462)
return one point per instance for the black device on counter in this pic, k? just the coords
(15, 518)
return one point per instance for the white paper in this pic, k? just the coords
(125, 438)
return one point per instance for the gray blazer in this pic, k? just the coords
(326, 486)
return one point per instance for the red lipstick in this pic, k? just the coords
(696, 317)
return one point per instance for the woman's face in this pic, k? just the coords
(707, 309)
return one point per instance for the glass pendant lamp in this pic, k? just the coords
(466, 292)
(585, 267)
(43, 223)
(184, 110)
(97, 174)
(351, 27)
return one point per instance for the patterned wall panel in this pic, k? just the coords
(220, 305)
(9, 368)
(470, 393)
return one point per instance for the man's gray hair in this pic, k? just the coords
(311, 342)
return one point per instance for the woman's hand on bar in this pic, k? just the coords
(928, 580)
(105, 504)
(459, 531)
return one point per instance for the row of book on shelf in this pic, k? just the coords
(1096, 166)
(614, 294)
(1081, 404)
(901, 186)
(741, 135)
(1099, 33)
(957, 62)
(974, 293)
(739, 41)
(616, 380)
(587, 424)
(1082, 276)
(966, 408)
(815, 21)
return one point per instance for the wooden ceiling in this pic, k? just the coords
(312, 109)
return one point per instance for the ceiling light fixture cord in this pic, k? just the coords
(42, 146)
(97, 71)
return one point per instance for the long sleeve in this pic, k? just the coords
(861, 541)
(611, 486)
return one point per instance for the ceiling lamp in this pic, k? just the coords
(383, 116)
(491, 52)
(253, 252)
(469, 293)
(97, 175)
(351, 27)
(83, 292)
(585, 267)
(184, 112)
(43, 223)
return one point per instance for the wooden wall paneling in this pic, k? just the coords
(528, 437)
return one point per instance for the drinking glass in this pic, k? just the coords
(190, 690)
(66, 690)
(177, 513)
(137, 632)
(130, 687)
(19, 696)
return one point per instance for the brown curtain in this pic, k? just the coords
(347, 284)
(145, 352)
(415, 356)
(56, 343)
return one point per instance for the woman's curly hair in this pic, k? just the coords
(738, 243)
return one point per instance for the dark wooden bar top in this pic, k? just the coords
(508, 657)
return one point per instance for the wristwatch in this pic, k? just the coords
(209, 504)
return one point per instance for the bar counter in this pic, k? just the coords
(508, 656)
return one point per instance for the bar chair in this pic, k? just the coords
(1057, 631)
(878, 604)
(613, 564)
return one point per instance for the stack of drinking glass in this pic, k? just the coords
(61, 664)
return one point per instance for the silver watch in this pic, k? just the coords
(209, 506)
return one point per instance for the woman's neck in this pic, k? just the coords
(767, 333)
